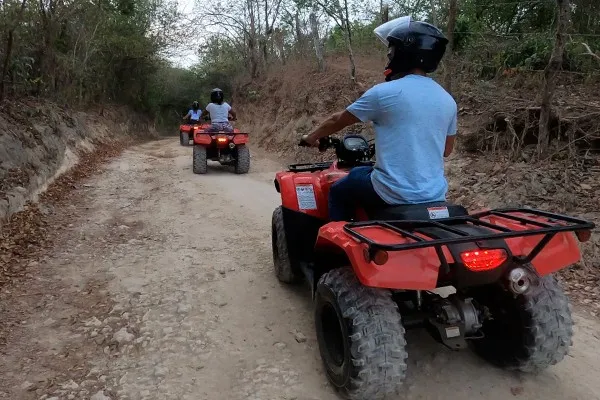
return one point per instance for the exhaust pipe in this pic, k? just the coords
(519, 281)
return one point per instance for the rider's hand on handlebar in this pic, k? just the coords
(306, 141)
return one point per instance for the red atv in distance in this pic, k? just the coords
(374, 278)
(226, 148)
(186, 132)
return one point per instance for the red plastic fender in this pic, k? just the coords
(308, 185)
(202, 138)
(185, 128)
(411, 269)
(561, 252)
(240, 138)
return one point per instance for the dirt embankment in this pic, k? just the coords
(39, 141)
(490, 169)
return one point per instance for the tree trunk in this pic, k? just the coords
(252, 39)
(350, 54)
(266, 37)
(385, 13)
(314, 26)
(349, 42)
(433, 12)
(8, 51)
(550, 75)
(299, 36)
(450, 51)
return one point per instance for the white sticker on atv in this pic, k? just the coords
(306, 197)
(438, 212)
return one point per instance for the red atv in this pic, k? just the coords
(186, 132)
(374, 278)
(226, 148)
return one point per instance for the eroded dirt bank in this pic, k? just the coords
(160, 287)
(40, 140)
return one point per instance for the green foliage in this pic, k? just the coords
(81, 51)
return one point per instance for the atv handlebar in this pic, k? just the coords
(323, 144)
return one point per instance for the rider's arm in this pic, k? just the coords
(449, 145)
(451, 136)
(189, 114)
(364, 109)
(232, 113)
(205, 113)
(331, 125)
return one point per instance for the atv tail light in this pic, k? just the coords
(483, 260)
(222, 139)
(583, 236)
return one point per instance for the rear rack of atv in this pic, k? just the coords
(417, 230)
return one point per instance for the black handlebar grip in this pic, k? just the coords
(303, 143)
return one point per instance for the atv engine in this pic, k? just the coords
(454, 320)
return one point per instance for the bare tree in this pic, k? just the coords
(8, 50)
(550, 74)
(340, 13)
(433, 12)
(314, 25)
(452, 9)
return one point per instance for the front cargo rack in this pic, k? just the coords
(411, 229)
(309, 167)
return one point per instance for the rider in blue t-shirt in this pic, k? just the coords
(194, 113)
(415, 126)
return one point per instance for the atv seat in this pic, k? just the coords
(418, 212)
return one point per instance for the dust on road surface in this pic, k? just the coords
(162, 289)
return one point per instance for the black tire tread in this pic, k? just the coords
(281, 260)
(242, 162)
(550, 334)
(378, 346)
(199, 164)
(185, 139)
(545, 326)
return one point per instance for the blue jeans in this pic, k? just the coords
(351, 191)
(220, 127)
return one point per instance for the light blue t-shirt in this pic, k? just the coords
(412, 117)
(195, 115)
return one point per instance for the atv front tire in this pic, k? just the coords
(529, 332)
(199, 165)
(242, 162)
(185, 138)
(361, 337)
(285, 269)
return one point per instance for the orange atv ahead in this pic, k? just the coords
(388, 271)
(226, 148)
(186, 131)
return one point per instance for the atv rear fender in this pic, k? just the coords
(307, 192)
(240, 138)
(416, 269)
(202, 138)
(543, 240)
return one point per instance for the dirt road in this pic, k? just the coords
(161, 288)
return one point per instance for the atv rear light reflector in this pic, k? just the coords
(380, 257)
(483, 260)
(583, 236)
